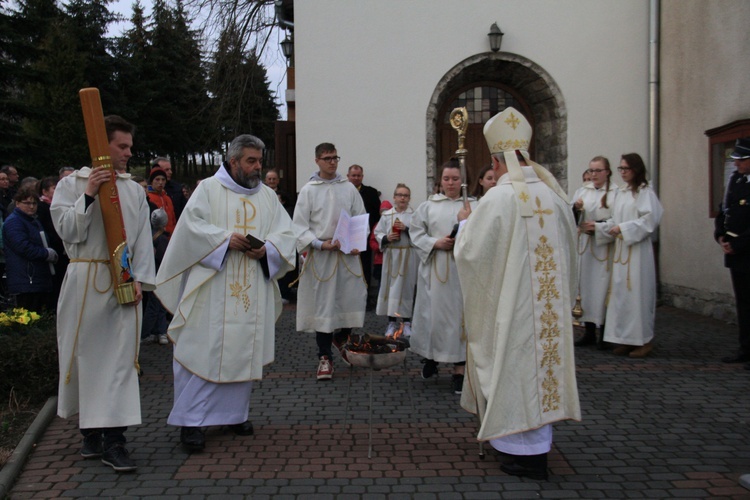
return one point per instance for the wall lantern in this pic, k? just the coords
(287, 48)
(496, 37)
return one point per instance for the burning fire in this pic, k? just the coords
(376, 344)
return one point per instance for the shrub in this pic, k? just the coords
(28, 364)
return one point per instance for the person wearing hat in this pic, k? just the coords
(516, 260)
(159, 197)
(732, 232)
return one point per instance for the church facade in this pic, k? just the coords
(594, 77)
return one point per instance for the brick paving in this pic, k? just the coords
(674, 425)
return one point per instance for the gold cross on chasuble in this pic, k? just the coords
(241, 219)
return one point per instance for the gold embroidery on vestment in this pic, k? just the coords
(541, 211)
(241, 267)
(545, 269)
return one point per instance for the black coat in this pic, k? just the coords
(733, 222)
(371, 200)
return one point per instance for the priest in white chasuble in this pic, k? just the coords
(516, 260)
(222, 290)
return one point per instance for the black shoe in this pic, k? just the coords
(243, 429)
(516, 469)
(589, 337)
(118, 458)
(192, 438)
(747, 366)
(457, 382)
(92, 445)
(740, 357)
(429, 369)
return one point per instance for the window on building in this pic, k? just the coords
(720, 166)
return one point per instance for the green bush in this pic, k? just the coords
(28, 363)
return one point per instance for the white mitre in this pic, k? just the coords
(506, 133)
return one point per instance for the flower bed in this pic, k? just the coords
(28, 372)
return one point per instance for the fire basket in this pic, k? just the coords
(375, 352)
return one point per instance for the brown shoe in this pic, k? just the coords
(623, 350)
(642, 351)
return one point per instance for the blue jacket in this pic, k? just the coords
(26, 263)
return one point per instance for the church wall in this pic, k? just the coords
(704, 84)
(365, 72)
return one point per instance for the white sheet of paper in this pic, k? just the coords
(351, 232)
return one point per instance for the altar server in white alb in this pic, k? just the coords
(631, 310)
(438, 326)
(516, 260)
(399, 276)
(592, 205)
(98, 338)
(223, 293)
(332, 293)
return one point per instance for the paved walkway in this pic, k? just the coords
(674, 425)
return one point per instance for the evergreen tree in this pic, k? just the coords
(242, 102)
(134, 85)
(21, 33)
(73, 55)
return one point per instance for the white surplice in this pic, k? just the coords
(332, 291)
(437, 325)
(595, 259)
(400, 263)
(518, 276)
(632, 297)
(98, 338)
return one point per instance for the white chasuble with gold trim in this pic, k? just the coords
(224, 315)
(518, 277)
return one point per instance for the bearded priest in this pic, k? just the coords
(519, 244)
(220, 285)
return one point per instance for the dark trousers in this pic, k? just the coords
(741, 285)
(324, 341)
(154, 316)
(36, 301)
(110, 435)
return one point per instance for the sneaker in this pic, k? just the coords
(429, 369)
(457, 381)
(392, 327)
(325, 369)
(163, 340)
(339, 341)
(150, 339)
(118, 458)
(407, 329)
(92, 445)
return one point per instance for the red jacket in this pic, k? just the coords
(162, 200)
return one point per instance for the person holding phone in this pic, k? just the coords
(220, 285)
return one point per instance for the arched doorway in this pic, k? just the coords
(482, 101)
(517, 82)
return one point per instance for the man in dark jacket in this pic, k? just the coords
(732, 232)
(371, 199)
